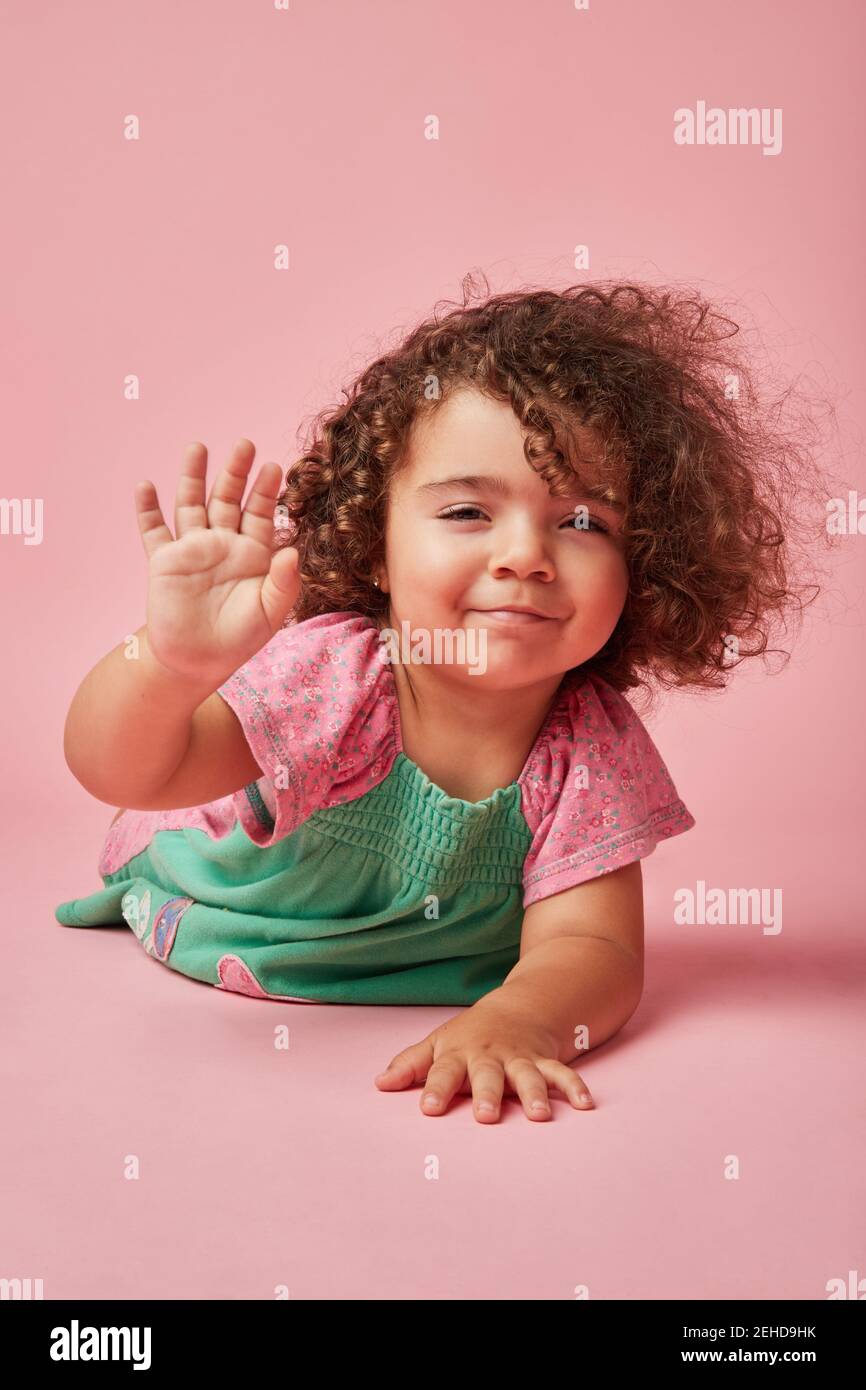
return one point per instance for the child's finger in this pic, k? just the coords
(567, 1081)
(189, 508)
(280, 587)
(408, 1068)
(224, 503)
(529, 1083)
(444, 1080)
(257, 519)
(151, 522)
(486, 1077)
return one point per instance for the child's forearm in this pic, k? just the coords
(572, 983)
(129, 725)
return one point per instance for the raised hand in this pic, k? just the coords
(218, 591)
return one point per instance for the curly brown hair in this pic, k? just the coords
(716, 487)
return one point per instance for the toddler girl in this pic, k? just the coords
(372, 743)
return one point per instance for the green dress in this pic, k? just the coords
(344, 875)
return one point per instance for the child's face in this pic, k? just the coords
(520, 547)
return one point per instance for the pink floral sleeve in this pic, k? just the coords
(599, 794)
(320, 719)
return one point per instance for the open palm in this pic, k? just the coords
(217, 592)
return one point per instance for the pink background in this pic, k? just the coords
(155, 257)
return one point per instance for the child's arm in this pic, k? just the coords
(150, 732)
(581, 960)
(578, 980)
(142, 737)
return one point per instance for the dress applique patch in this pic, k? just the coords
(165, 925)
(236, 976)
(136, 911)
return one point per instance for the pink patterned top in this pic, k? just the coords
(320, 711)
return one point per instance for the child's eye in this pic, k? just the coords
(459, 514)
(599, 525)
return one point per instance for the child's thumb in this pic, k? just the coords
(281, 586)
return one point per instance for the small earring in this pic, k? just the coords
(375, 581)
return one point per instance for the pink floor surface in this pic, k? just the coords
(260, 1168)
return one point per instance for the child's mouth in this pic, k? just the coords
(506, 618)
